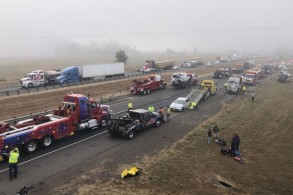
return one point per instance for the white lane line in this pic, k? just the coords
(131, 98)
(58, 150)
(119, 112)
(166, 97)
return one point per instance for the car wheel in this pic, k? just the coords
(144, 92)
(148, 91)
(65, 82)
(46, 141)
(158, 123)
(130, 134)
(31, 146)
(182, 109)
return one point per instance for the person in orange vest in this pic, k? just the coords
(161, 112)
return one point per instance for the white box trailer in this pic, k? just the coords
(98, 70)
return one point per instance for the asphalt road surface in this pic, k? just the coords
(76, 153)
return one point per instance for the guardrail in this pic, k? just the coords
(50, 87)
(14, 120)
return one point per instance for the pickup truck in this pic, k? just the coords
(136, 120)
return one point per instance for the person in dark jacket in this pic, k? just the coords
(233, 145)
(237, 141)
(209, 136)
(216, 132)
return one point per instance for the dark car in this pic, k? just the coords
(134, 121)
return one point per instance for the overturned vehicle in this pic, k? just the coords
(134, 121)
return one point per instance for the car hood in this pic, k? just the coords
(176, 106)
(25, 79)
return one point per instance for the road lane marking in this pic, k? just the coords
(166, 97)
(58, 149)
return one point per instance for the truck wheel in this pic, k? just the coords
(65, 82)
(103, 122)
(46, 141)
(31, 146)
(130, 134)
(30, 85)
(148, 91)
(144, 92)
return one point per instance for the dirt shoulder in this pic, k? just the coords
(190, 166)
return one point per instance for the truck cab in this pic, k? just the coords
(251, 77)
(33, 79)
(150, 83)
(85, 112)
(68, 75)
(209, 85)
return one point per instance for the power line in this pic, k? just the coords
(200, 31)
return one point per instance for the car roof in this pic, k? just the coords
(139, 111)
(182, 98)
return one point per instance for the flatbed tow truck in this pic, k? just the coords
(203, 92)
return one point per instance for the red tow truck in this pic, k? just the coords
(150, 83)
(251, 77)
(77, 112)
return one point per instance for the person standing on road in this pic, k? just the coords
(209, 136)
(13, 163)
(129, 106)
(168, 112)
(226, 87)
(216, 132)
(252, 96)
(243, 89)
(151, 108)
(161, 112)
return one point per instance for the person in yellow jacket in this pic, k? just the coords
(243, 89)
(151, 108)
(129, 106)
(193, 106)
(226, 87)
(13, 162)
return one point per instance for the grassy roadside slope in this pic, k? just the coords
(265, 129)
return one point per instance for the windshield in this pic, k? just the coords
(251, 76)
(179, 101)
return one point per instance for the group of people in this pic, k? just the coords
(151, 108)
(215, 132)
(234, 143)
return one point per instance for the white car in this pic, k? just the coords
(209, 64)
(176, 68)
(180, 104)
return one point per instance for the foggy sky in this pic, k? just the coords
(37, 27)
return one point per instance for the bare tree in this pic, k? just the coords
(121, 56)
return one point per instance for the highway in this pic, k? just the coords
(16, 89)
(83, 147)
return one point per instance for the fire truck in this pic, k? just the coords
(151, 82)
(76, 113)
